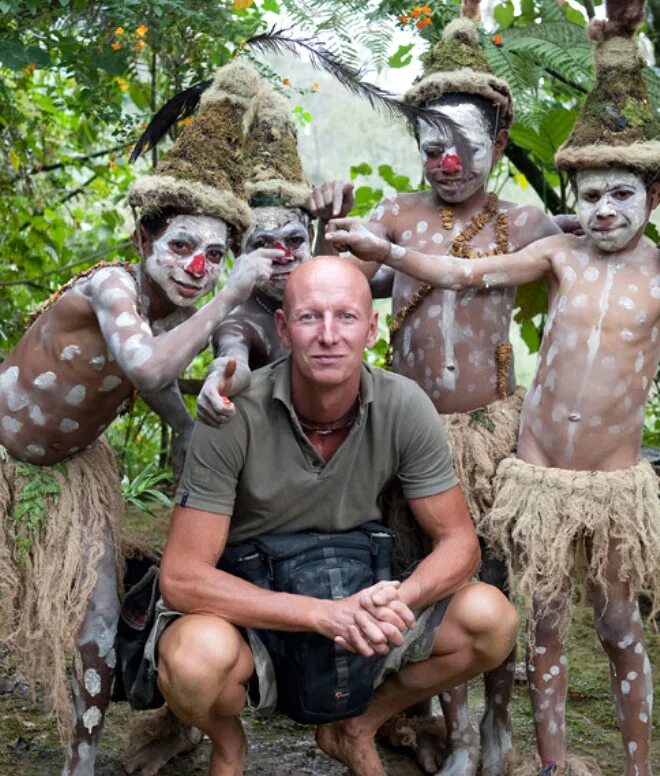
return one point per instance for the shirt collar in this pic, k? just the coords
(282, 384)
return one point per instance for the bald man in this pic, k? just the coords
(315, 440)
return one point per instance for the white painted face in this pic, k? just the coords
(457, 162)
(283, 228)
(185, 260)
(612, 206)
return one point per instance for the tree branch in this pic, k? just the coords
(73, 160)
(94, 257)
(534, 175)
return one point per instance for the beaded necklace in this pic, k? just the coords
(459, 247)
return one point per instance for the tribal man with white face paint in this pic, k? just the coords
(112, 331)
(455, 343)
(577, 488)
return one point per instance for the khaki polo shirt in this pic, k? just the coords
(262, 472)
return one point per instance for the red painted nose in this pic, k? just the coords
(287, 253)
(451, 163)
(197, 265)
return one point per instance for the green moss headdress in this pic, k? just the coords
(203, 172)
(273, 169)
(456, 64)
(618, 126)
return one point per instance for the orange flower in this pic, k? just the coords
(119, 31)
(116, 45)
(113, 165)
(139, 45)
(497, 39)
(426, 9)
(141, 31)
(404, 19)
(316, 85)
(122, 83)
(286, 82)
(416, 12)
(187, 120)
(422, 23)
(241, 5)
(29, 69)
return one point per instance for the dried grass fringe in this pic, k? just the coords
(543, 519)
(479, 441)
(43, 605)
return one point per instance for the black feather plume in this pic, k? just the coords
(181, 106)
(282, 41)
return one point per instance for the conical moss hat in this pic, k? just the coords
(203, 171)
(274, 173)
(618, 126)
(456, 64)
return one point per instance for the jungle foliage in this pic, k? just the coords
(80, 78)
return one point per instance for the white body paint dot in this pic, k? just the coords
(45, 380)
(11, 425)
(92, 680)
(76, 395)
(68, 425)
(91, 718)
(109, 383)
(69, 352)
(36, 450)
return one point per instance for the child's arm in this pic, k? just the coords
(512, 269)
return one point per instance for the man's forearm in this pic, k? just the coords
(202, 589)
(451, 564)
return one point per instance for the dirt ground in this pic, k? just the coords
(279, 747)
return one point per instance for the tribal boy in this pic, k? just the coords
(277, 192)
(577, 488)
(455, 343)
(89, 349)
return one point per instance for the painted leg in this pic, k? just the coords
(92, 679)
(496, 733)
(495, 730)
(479, 629)
(462, 756)
(619, 627)
(547, 675)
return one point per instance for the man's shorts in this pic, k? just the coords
(262, 686)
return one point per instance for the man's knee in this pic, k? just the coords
(198, 655)
(489, 620)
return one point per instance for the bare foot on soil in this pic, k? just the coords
(343, 741)
(462, 756)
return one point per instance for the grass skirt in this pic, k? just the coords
(55, 522)
(479, 441)
(555, 527)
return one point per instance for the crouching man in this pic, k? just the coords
(315, 440)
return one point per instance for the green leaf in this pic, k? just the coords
(139, 93)
(402, 56)
(360, 169)
(504, 14)
(530, 336)
(653, 233)
(270, 5)
(573, 15)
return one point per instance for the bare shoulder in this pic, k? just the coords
(527, 223)
(110, 283)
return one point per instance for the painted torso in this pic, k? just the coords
(447, 346)
(61, 386)
(598, 357)
(250, 331)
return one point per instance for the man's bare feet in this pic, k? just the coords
(346, 742)
(496, 742)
